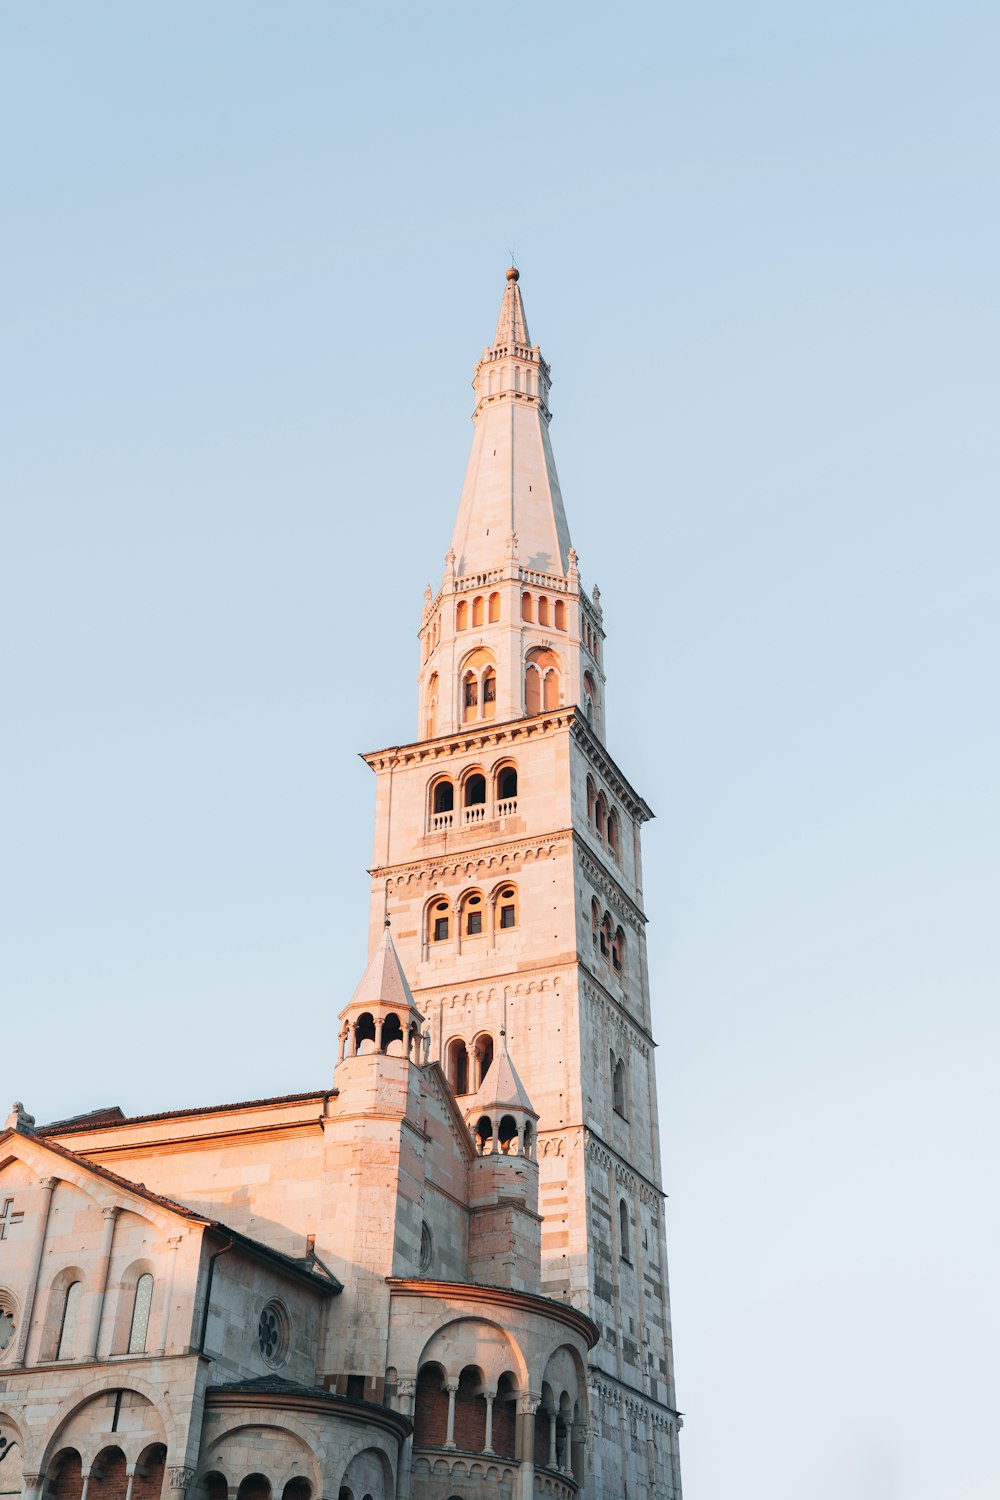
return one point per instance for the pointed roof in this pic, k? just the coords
(384, 982)
(512, 325)
(511, 485)
(501, 1088)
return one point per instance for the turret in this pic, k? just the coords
(505, 1228)
(380, 1032)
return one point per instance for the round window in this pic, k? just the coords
(272, 1333)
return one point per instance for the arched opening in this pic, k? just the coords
(612, 833)
(438, 922)
(457, 1065)
(560, 615)
(484, 1135)
(527, 608)
(364, 1033)
(108, 1480)
(543, 610)
(442, 805)
(618, 1085)
(473, 915)
(462, 615)
(507, 1135)
(214, 1486)
(65, 1476)
(432, 705)
(528, 1140)
(392, 1032)
(470, 1411)
(541, 681)
(11, 1466)
(506, 790)
(507, 908)
(484, 1057)
(595, 921)
(532, 692)
(618, 950)
(298, 1488)
(474, 798)
(606, 936)
(591, 800)
(601, 817)
(470, 696)
(494, 612)
(67, 1327)
(489, 693)
(623, 1229)
(254, 1487)
(478, 610)
(141, 1305)
(504, 1413)
(430, 1409)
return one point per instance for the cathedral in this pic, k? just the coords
(441, 1274)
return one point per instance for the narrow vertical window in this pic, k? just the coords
(494, 608)
(140, 1314)
(623, 1227)
(70, 1313)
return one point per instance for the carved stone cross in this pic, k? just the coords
(8, 1218)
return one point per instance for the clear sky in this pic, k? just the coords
(250, 254)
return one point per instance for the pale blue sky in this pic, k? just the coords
(249, 256)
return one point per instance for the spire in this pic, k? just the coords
(512, 325)
(511, 486)
(501, 1088)
(384, 983)
(381, 1011)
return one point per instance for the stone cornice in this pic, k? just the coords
(458, 861)
(529, 1302)
(604, 1152)
(339, 1408)
(619, 1393)
(471, 738)
(620, 1011)
(602, 762)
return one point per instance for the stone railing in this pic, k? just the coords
(479, 580)
(475, 814)
(441, 821)
(507, 808)
(553, 581)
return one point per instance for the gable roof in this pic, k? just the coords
(300, 1268)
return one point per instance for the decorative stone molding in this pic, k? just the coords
(605, 1156)
(528, 1404)
(598, 996)
(616, 896)
(471, 739)
(502, 857)
(181, 1478)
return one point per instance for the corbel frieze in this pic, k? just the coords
(501, 857)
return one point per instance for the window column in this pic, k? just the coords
(451, 1387)
(89, 1352)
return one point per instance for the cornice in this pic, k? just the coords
(530, 1302)
(619, 1393)
(599, 758)
(466, 861)
(478, 737)
(601, 876)
(327, 1405)
(625, 1171)
(594, 989)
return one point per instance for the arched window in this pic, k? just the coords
(392, 1034)
(484, 1056)
(70, 1314)
(507, 908)
(612, 833)
(470, 696)
(438, 923)
(140, 1314)
(589, 696)
(489, 693)
(591, 800)
(432, 705)
(618, 1085)
(484, 1135)
(442, 804)
(494, 611)
(474, 798)
(606, 936)
(529, 383)
(430, 1409)
(532, 691)
(527, 607)
(462, 615)
(623, 1228)
(595, 921)
(543, 610)
(473, 915)
(618, 950)
(457, 1065)
(541, 680)
(560, 615)
(507, 1135)
(601, 817)
(478, 610)
(506, 793)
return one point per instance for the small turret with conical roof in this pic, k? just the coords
(381, 1016)
(505, 1228)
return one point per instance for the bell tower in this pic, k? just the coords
(507, 853)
